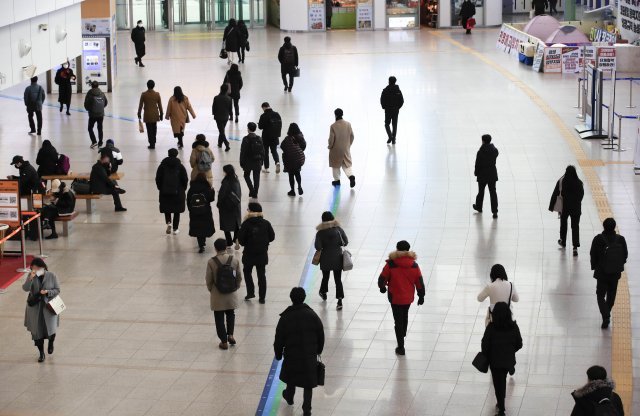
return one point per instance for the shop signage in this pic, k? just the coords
(365, 16)
(316, 15)
(537, 60)
(570, 60)
(553, 60)
(509, 39)
(629, 19)
(606, 58)
(587, 56)
(10, 203)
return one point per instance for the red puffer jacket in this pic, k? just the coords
(401, 275)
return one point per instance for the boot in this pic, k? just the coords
(399, 340)
(40, 345)
(52, 338)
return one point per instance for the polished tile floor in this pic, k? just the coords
(138, 337)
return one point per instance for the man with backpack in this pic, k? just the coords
(201, 158)
(608, 257)
(391, 101)
(288, 58)
(221, 110)
(251, 157)
(255, 235)
(33, 98)
(223, 278)
(597, 398)
(95, 102)
(271, 125)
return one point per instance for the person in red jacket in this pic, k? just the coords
(400, 276)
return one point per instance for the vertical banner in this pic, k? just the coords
(316, 15)
(364, 15)
(587, 56)
(553, 60)
(10, 203)
(570, 59)
(606, 57)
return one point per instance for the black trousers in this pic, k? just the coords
(32, 125)
(391, 118)
(492, 194)
(284, 73)
(253, 187)
(50, 212)
(337, 277)
(227, 236)
(270, 145)
(293, 177)
(116, 198)
(262, 279)
(606, 290)
(40, 342)
(95, 121)
(202, 241)
(241, 53)
(575, 228)
(401, 320)
(290, 391)
(224, 332)
(499, 376)
(176, 219)
(236, 106)
(222, 138)
(152, 131)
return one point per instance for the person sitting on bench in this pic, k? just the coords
(101, 184)
(64, 203)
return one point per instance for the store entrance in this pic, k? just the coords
(343, 14)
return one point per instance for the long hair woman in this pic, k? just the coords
(569, 191)
(178, 110)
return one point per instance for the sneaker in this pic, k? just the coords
(230, 118)
(352, 181)
(99, 143)
(286, 89)
(291, 193)
(339, 305)
(121, 209)
(227, 149)
(201, 250)
(176, 232)
(277, 167)
(335, 183)
(265, 170)
(323, 295)
(605, 324)
(151, 147)
(575, 251)
(300, 191)
(495, 215)
(562, 243)
(31, 132)
(141, 64)
(393, 142)
(168, 231)
(93, 145)
(68, 113)
(223, 346)
(400, 351)
(248, 297)
(261, 301)
(236, 119)
(476, 208)
(289, 89)
(231, 340)
(512, 371)
(389, 140)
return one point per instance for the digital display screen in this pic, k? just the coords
(91, 55)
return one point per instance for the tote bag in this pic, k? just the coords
(347, 260)
(56, 305)
(558, 205)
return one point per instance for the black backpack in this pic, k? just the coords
(275, 125)
(257, 148)
(613, 260)
(605, 408)
(98, 104)
(198, 203)
(225, 279)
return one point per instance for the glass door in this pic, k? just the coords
(257, 13)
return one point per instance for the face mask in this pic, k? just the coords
(65, 66)
(40, 272)
(139, 24)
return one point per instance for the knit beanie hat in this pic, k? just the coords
(403, 246)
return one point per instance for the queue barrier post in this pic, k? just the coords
(42, 255)
(579, 94)
(24, 250)
(631, 93)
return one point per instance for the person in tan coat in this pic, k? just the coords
(151, 102)
(340, 141)
(223, 304)
(178, 110)
(198, 163)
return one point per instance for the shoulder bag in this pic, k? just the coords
(223, 52)
(557, 207)
(320, 369)
(347, 259)
(481, 362)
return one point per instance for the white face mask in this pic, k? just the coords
(139, 24)
(39, 272)
(65, 66)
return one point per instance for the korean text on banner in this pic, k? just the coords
(606, 57)
(587, 56)
(629, 19)
(365, 15)
(509, 39)
(570, 58)
(316, 15)
(10, 203)
(553, 60)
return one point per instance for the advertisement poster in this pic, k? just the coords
(509, 39)
(587, 56)
(365, 16)
(10, 203)
(570, 60)
(96, 27)
(553, 60)
(606, 58)
(537, 59)
(316, 15)
(629, 19)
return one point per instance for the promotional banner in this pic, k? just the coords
(570, 59)
(587, 56)
(316, 15)
(629, 19)
(553, 60)
(601, 35)
(606, 58)
(509, 39)
(365, 15)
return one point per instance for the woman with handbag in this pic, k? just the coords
(566, 200)
(178, 110)
(229, 198)
(499, 290)
(293, 147)
(42, 286)
(500, 342)
(330, 238)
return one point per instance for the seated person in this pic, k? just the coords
(101, 183)
(28, 180)
(64, 203)
(115, 156)
(47, 159)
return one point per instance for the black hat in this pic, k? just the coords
(17, 159)
(403, 246)
(173, 152)
(255, 207)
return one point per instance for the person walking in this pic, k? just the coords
(271, 125)
(233, 79)
(539, 6)
(151, 102)
(101, 184)
(63, 203)
(34, 97)
(330, 238)
(467, 11)
(567, 199)
(300, 349)
(223, 279)
(47, 159)
(288, 58)
(113, 153)
(251, 157)
(293, 147)
(597, 396)
(28, 179)
(552, 7)
(231, 39)
(340, 141)
(95, 102)
(500, 342)
(499, 290)
(172, 181)
(486, 174)
(42, 286)
(391, 101)
(63, 78)
(201, 159)
(199, 199)
(229, 198)
(178, 110)
(138, 39)
(244, 40)
(400, 276)
(222, 112)
(608, 256)
(255, 235)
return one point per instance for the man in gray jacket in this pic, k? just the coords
(33, 99)
(95, 102)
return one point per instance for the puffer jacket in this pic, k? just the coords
(293, 152)
(330, 239)
(592, 393)
(401, 276)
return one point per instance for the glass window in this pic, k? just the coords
(400, 7)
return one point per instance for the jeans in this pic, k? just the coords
(227, 236)
(492, 194)
(236, 106)
(575, 228)
(499, 376)
(222, 138)
(606, 290)
(224, 332)
(176, 219)
(152, 131)
(336, 172)
(262, 280)
(93, 121)
(401, 321)
(293, 177)
(32, 125)
(270, 145)
(290, 391)
(284, 73)
(337, 277)
(391, 117)
(253, 187)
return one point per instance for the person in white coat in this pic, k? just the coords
(499, 290)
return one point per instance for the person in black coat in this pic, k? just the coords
(114, 154)
(47, 159)
(597, 392)
(328, 13)
(231, 39)
(293, 157)
(288, 58)
(138, 38)
(500, 342)
(330, 238)
(221, 111)
(570, 190)
(103, 185)
(244, 39)
(228, 204)
(255, 235)
(299, 340)
(467, 11)
(608, 254)
(199, 199)
(539, 6)
(234, 79)
(64, 203)
(251, 157)
(487, 174)
(270, 123)
(28, 180)
(172, 181)
(63, 79)
(391, 101)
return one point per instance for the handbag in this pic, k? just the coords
(481, 362)
(223, 52)
(56, 305)
(247, 47)
(471, 23)
(558, 205)
(296, 73)
(316, 257)
(320, 370)
(81, 186)
(140, 126)
(347, 258)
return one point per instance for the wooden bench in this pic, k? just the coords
(89, 198)
(66, 222)
(81, 175)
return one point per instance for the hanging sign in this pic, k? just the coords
(553, 60)
(10, 203)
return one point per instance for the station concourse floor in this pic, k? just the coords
(138, 337)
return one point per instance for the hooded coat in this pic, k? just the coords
(229, 199)
(330, 238)
(38, 319)
(572, 194)
(299, 340)
(293, 156)
(587, 397)
(171, 181)
(201, 225)
(340, 141)
(255, 235)
(178, 114)
(401, 276)
(47, 159)
(89, 101)
(485, 168)
(197, 148)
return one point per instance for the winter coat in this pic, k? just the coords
(196, 149)
(89, 101)
(201, 225)
(47, 160)
(138, 38)
(500, 346)
(288, 50)
(234, 79)
(330, 238)
(485, 168)
(28, 181)
(222, 301)
(539, 6)
(114, 154)
(400, 276)
(255, 235)
(229, 205)
(221, 107)
(467, 9)
(231, 38)
(271, 131)
(391, 98)
(63, 79)
(178, 113)
(65, 202)
(99, 180)
(34, 97)
(249, 160)
(328, 4)
(171, 181)
(151, 102)
(38, 316)
(572, 194)
(299, 340)
(244, 34)
(589, 395)
(598, 246)
(293, 152)
(340, 141)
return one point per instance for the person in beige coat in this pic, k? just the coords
(151, 102)
(223, 304)
(340, 141)
(178, 110)
(198, 164)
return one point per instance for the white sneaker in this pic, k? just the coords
(176, 232)
(277, 167)
(168, 228)
(265, 170)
